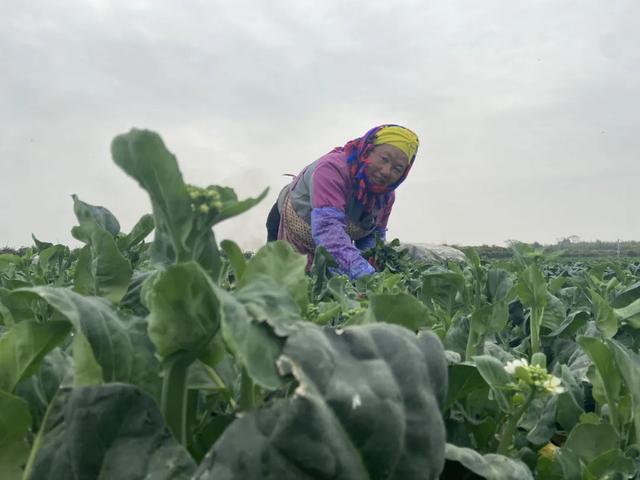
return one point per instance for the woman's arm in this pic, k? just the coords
(328, 228)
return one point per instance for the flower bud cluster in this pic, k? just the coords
(204, 201)
(532, 377)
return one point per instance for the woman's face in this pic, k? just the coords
(387, 163)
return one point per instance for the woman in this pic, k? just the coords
(343, 199)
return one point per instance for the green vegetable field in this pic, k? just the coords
(186, 358)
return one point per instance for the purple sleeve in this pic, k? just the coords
(328, 229)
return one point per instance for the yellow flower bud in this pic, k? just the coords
(549, 450)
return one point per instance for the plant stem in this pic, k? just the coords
(613, 410)
(220, 383)
(37, 443)
(174, 397)
(472, 340)
(247, 397)
(536, 320)
(506, 439)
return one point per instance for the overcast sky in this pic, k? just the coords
(528, 111)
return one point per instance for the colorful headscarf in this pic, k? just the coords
(368, 194)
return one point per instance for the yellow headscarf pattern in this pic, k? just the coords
(400, 137)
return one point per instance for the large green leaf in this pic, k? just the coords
(442, 288)
(92, 218)
(132, 300)
(361, 411)
(204, 250)
(23, 346)
(473, 259)
(143, 156)
(267, 301)
(253, 342)
(570, 403)
(286, 267)
(83, 281)
(184, 310)
(572, 323)
(323, 264)
(102, 270)
(231, 206)
(630, 313)
(110, 271)
(235, 256)
(208, 433)
(555, 313)
(532, 288)
(589, 441)
(540, 419)
(605, 317)
(463, 379)
(555, 285)
(498, 352)
(119, 342)
(138, 233)
(40, 245)
(8, 261)
(48, 256)
(14, 309)
(490, 318)
(40, 388)
(493, 372)
(399, 308)
(87, 371)
(563, 464)
(612, 464)
(342, 291)
(14, 424)
(601, 356)
(627, 296)
(111, 432)
(499, 285)
(491, 466)
(628, 364)
(457, 335)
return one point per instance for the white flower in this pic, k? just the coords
(511, 366)
(552, 385)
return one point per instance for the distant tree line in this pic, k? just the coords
(13, 251)
(571, 248)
